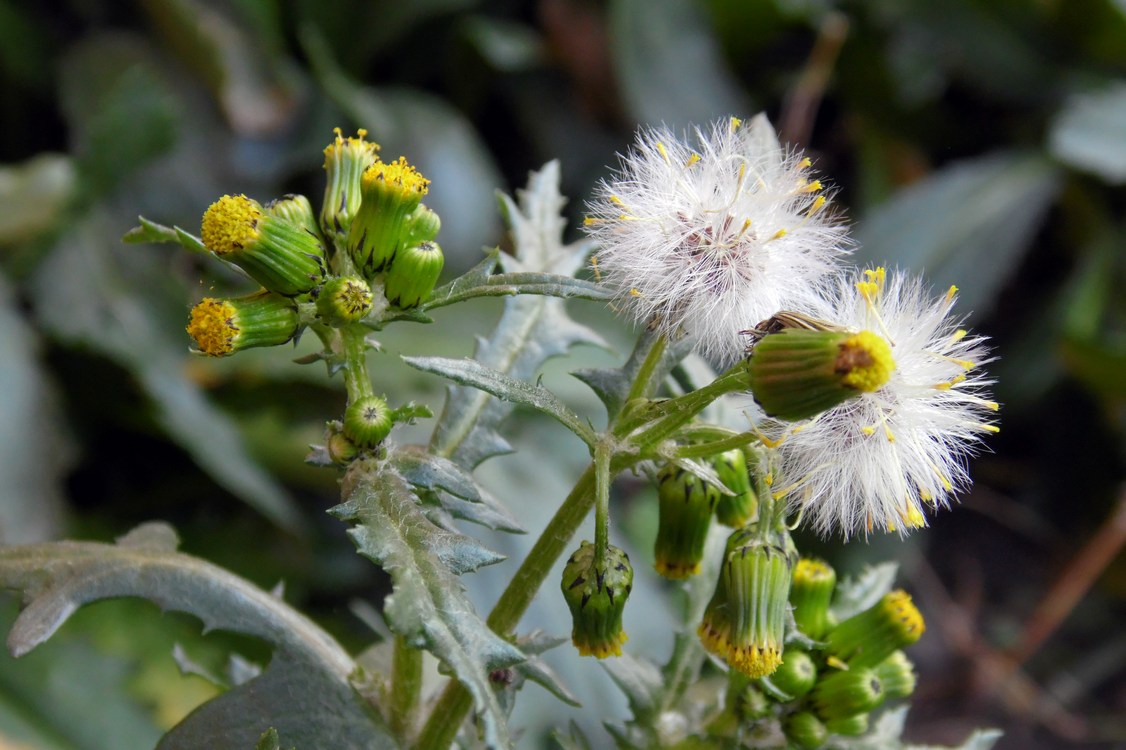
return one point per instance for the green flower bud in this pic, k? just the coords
(412, 274)
(848, 726)
(684, 515)
(758, 584)
(810, 593)
(715, 626)
(421, 225)
(224, 326)
(805, 730)
(751, 703)
(278, 254)
(367, 421)
(847, 692)
(596, 595)
(297, 210)
(345, 162)
(390, 191)
(344, 300)
(866, 639)
(738, 509)
(798, 373)
(796, 674)
(339, 446)
(897, 674)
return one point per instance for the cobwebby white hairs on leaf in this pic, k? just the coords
(879, 460)
(708, 238)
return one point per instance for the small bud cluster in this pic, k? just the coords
(371, 246)
(854, 667)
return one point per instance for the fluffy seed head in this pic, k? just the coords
(878, 460)
(703, 236)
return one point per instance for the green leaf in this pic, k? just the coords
(854, 594)
(537, 670)
(305, 692)
(1087, 133)
(612, 384)
(149, 231)
(428, 605)
(42, 707)
(472, 373)
(669, 64)
(125, 306)
(969, 224)
(510, 284)
(531, 330)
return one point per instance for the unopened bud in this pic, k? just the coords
(596, 595)
(796, 674)
(810, 594)
(738, 509)
(412, 274)
(684, 516)
(844, 693)
(344, 300)
(367, 421)
(796, 373)
(805, 730)
(866, 639)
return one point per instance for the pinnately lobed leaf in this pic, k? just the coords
(305, 693)
(532, 329)
(428, 605)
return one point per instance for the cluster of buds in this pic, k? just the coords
(371, 246)
(372, 232)
(833, 689)
(687, 504)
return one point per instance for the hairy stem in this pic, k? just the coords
(356, 378)
(601, 502)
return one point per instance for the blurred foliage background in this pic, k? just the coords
(980, 141)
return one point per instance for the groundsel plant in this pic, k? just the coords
(870, 394)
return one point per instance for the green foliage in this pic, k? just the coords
(428, 606)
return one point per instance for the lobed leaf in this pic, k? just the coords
(305, 692)
(854, 594)
(428, 605)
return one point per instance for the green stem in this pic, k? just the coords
(642, 385)
(356, 379)
(601, 502)
(406, 685)
(700, 450)
(679, 411)
(452, 705)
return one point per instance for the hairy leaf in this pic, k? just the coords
(532, 328)
(1087, 133)
(468, 372)
(887, 734)
(305, 691)
(428, 605)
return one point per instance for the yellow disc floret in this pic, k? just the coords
(213, 328)
(230, 224)
(865, 362)
(754, 660)
(899, 609)
(399, 174)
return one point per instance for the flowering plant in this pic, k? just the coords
(863, 396)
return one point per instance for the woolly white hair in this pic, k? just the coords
(878, 460)
(711, 237)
